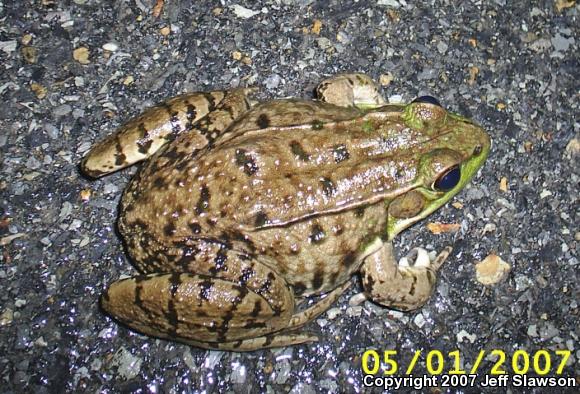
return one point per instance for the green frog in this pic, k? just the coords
(243, 208)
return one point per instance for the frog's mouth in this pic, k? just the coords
(430, 193)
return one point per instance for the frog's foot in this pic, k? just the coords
(420, 258)
(347, 90)
(141, 137)
(405, 286)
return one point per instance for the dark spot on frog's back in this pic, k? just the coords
(159, 183)
(317, 235)
(169, 229)
(263, 121)
(245, 160)
(239, 236)
(349, 259)
(220, 260)
(145, 142)
(257, 309)
(246, 274)
(204, 289)
(318, 279)
(120, 158)
(297, 150)
(261, 219)
(195, 227)
(299, 288)
(171, 315)
(340, 153)
(359, 212)
(317, 124)
(328, 187)
(203, 202)
(190, 115)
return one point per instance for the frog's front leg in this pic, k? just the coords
(245, 307)
(347, 90)
(400, 286)
(141, 137)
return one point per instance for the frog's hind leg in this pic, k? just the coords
(248, 305)
(347, 90)
(141, 137)
(400, 285)
(285, 337)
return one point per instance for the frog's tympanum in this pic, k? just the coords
(243, 208)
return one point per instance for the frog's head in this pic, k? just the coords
(450, 152)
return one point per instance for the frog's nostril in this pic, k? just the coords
(427, 100)
(477, 150)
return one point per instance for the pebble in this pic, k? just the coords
(111, 47)
(272, 81)
(62, 110)
(32, 163)
(561, 43)
(52, 131)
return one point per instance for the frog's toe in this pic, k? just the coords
(354, 89)
(418, 256)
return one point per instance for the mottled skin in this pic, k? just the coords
(243, 207)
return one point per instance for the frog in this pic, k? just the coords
(248, 219)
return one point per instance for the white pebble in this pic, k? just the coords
(111, 47)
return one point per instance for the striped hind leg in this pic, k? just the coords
(141, 137)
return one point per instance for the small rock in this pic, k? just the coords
(243, 12)
(532, 330)
(461, 335)
(442, 47)
(8, 46)
(81, 55)
(7, 317)
(419, 320)
(354, 311)
(33, 163)
(128, 365)
(573, 148)
(111, 47)
(324, 43)
(332, 313)
(30, 54)
(272, 81)
(343, 37)
(561, 43)
(357, 299)
(390, 3)
(238, 374)
(110, 188)
(491, 270)
(52, 131)
(62, 110)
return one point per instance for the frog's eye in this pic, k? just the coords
(427, 100)
(448, 180)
